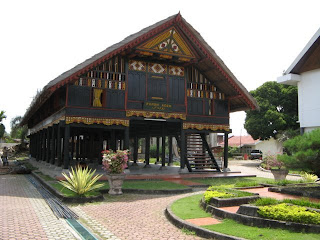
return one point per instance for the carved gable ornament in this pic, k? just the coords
(168, 43)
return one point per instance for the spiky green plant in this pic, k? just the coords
(81, 180)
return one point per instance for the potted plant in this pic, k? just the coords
(114, 164)
(276, 166)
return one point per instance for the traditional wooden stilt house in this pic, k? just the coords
(164, 81)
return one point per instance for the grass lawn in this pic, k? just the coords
(230, 181)
(188, 208)
(233, 228)
(152, 185)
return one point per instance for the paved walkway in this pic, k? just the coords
(129, 217)
(250, 167)
(24, 214)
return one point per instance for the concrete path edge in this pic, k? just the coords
(201, 232)
(260, 222)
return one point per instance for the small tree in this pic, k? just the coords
(18, 131)
(2, 127)
(303, 152)
(278, 111)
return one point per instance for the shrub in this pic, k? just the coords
(308, 177)
(208, 195)
(303, 152)
(81, 180)
(221, 192)
(290, 213)
(304, 202)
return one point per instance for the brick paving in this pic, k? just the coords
(137, 217)
(24, 214)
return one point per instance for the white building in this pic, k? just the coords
(304, 72)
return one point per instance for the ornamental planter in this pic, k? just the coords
(279, 174)
(115, 183)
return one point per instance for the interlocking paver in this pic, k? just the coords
(135, 217)
(23, 212)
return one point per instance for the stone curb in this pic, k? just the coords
(201, 232)
(65, 199)
(260, 222)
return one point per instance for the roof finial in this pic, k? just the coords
(178, 17)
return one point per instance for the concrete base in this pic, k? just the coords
(226, 170)
(134, 164)
(183, 170)
(147, 166)
(126, 171)
(58, 168)
(163, 168)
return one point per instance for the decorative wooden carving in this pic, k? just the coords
(104, 121)
(205, 126)
(169, 43)
(148, 114)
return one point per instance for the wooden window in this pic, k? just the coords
(97, 97)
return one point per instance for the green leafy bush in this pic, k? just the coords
(308, 177)
(222, 192)
(304, 202)
(290, 213)
(303, 152)
(208, 195)
(81, 180)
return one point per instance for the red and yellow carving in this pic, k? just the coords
(169, 42)
(148, 114)
(205, 126)
(104, 121)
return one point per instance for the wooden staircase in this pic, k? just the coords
(199, 157)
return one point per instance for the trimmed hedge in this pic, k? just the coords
(291, 213)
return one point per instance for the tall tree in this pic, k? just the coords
(278, 111)
(18, 131)
(2, 127)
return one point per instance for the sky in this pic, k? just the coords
(39, 40)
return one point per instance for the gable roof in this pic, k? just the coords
(312, 47)
(240, 98)
(236, 141)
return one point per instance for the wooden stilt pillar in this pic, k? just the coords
(113, 140)
(38, 146)
(135, 151)
(163, 148)
(158, 150)
(182, 149)
(48, 138)
(44, 145)
(77, 147)
(100, 147)
(225, 155)
(59, 158)
(170, 151)
(126, 139)
(72, 147)
(147, 153)
(66, 161)
(53, 152)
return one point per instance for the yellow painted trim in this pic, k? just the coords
(104, 121)
(148, 114)
(205, 126)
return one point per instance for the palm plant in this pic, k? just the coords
(81, 180)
